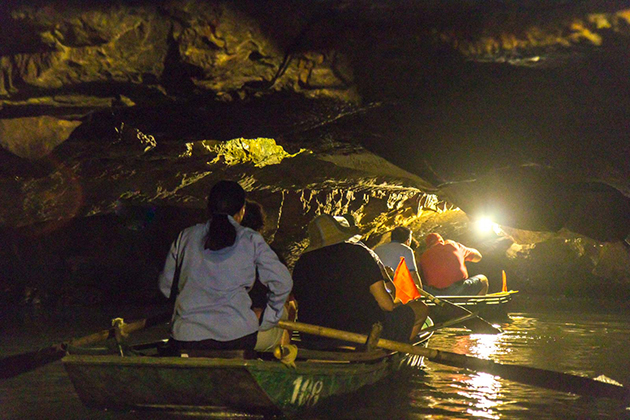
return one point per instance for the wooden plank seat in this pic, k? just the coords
(220, 354)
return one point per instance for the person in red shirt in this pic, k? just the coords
(444, 271)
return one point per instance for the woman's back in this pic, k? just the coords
(213, 298)
(213, 266)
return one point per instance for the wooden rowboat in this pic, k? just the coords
(226, 381)
(491, 306)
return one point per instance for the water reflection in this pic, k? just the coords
(466, 394)
(482, 389)
(580, 342)
(484, 345)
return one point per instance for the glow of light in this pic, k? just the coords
(486, 388)
(485, 225)
(484, 345)
(483, 391)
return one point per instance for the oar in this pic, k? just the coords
(24, 362)
(475, 323)
(448, 323)
(527, 375)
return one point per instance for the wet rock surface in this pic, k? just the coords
(117, 117)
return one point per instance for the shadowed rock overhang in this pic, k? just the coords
(478, 100)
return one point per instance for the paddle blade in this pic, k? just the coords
(537, 377)
(25, 362)
(406, 289)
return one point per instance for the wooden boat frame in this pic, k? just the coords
(194, 385)
(490, 306)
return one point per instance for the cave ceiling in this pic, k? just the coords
(514, 109)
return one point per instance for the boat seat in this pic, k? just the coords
(165, 349)
(220, 354)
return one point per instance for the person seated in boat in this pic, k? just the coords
(340, 283)
(400, 246)
(444, 270)
(211, 267)
(255, 219)
(266, 340)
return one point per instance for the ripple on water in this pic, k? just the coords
(578, 342)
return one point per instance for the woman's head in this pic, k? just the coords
(226, 197)
(254, 216)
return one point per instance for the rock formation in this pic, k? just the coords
(116, 118)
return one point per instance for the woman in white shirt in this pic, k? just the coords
(213, 266)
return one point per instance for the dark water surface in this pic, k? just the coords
(580, 337)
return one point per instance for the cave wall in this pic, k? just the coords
(399, 113)
(116, 258)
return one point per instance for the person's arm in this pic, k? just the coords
(275, 275)
(381, 296)
(165, 280)
(416, 279)
(388, 282)
(473, 255)
(413, 269)
(378, 276)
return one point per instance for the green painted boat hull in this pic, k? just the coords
(204, 384)
(177, 384)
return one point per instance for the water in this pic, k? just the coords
(579, 337)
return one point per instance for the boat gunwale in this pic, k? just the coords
(499, 298)
(206, 362)
(372, 357)
(212, 362)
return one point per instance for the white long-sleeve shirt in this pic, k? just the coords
(391, 252)
(213, 300)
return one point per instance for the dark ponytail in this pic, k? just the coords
(226, 198)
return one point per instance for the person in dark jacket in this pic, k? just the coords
(341, 283)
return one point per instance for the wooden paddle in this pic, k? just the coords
(448, 323)
(450, 310)
(24, 362)
(527, 375)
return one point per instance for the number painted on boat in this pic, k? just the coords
(306, 392)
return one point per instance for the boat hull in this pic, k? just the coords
(493, 307)
(205, 384)
(174, 384)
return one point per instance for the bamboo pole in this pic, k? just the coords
(528, 375)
